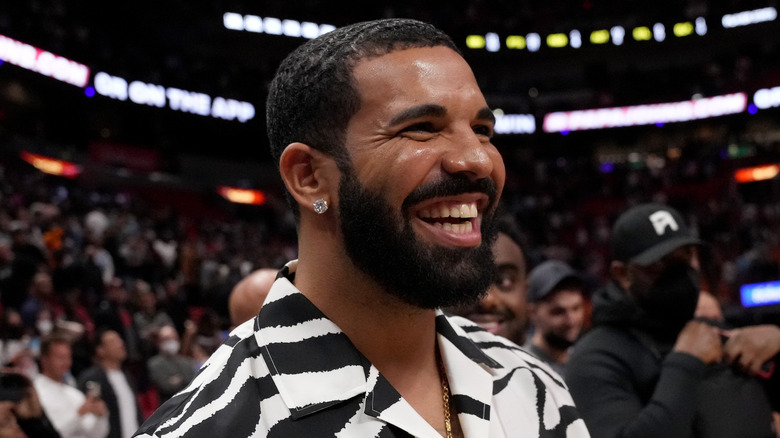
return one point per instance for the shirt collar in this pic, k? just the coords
(290, 328)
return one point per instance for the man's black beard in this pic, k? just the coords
(556, 341)
(670, 301)
(383, 244)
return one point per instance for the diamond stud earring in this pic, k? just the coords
(320, 206)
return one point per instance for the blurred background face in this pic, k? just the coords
(503, 309)
(57, 362)
(112, 347)
(560, 317)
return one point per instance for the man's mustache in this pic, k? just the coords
(452, 186)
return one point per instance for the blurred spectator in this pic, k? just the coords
(169, 370)
(73, 414)
(96, 223)
(248, 295)
(709, 308)
(148, 318)
(202, 338)
(556, 306)
(26, 259)
(174, 302)
(21, 410)
(647, 369)
(114, 313)
(40, 296)
(117, 387)
(15, 348)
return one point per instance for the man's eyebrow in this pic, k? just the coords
(418, 111)
(486, 114)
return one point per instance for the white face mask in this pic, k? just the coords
(44, 326)
(170, 347)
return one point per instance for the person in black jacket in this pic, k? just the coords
(21, 410)
(116, 387)
(647, 368)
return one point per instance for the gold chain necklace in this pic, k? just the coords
(445, 395)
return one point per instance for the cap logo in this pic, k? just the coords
(662, 219)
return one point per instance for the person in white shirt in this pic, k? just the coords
(118, 388)
(71, 412)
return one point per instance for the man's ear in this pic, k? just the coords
(309, 174)
(619, 272)
(531, 309)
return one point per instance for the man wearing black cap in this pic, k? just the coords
(556, 305)
(646, 369)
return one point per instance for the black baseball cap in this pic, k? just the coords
(645, 233)
(547, 276)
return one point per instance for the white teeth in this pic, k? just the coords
(455, 228)
(444, 211)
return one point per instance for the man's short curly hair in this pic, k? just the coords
(313, 94)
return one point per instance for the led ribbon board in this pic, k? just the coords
(43, 62)
(645, 114)
(760, 294)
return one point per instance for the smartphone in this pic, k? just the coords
(767, 369)
(13, 387)
(93, 389)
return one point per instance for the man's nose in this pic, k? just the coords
(467, 154)
(490, 300)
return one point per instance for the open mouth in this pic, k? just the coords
(456, 217)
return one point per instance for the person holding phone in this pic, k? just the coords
(72, 413)
(649, 368)
(21, 414)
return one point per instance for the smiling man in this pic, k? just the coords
(383, 140)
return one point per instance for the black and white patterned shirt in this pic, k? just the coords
(291, 372)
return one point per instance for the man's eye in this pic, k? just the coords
(485, 130)
(505, 281)
(419, 127)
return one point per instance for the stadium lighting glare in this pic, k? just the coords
(617, 33)
(274, 26)
(767, 98)
(642, 33)
(645, 114)
(515, 123)
(760, 294)
(143, 93)
(757, 173)
(492, 42)
(575, 39)
(515, 42)
(242, 196)
(683, 29)
(557, 40)
(599, 36)
(50, 165)
(475, 42)
(746, 18)
(659, 32)
(534, 42)
(701, 26)
(43, 62)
